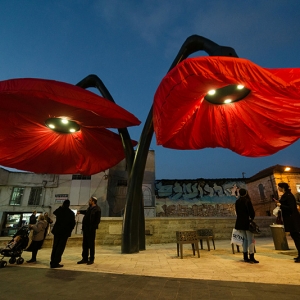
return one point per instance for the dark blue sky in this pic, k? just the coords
(130, 45)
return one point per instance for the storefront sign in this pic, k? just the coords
(60, 198)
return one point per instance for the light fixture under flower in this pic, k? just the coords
(62, 125)
(227, 94)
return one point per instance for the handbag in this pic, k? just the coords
(275, 211)
(237, 237)
(253, 227)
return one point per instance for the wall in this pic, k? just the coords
(263, 203)
(117, 186)
(163, 229)
(26, 180)
(55, 189)
(264, 189)
(53, 185)
(200, 197)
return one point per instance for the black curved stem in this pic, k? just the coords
(133, 234)
(96, 82)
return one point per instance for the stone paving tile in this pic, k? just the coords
(157, 273)
(125, 286)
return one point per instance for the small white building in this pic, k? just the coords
(22, 192)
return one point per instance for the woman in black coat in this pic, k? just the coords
(290, 215)
(244, 212)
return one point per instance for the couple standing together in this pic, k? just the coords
(290, 215)
(65, 223)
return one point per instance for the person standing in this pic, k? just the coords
(37, 238)
(90, 222)
(32, 219)
(49, 221)
(290, 215)
(62, 229)
(297, 197)
(245, 212)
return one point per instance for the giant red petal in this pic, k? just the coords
(264, 122)
(26, 143)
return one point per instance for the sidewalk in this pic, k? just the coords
(158, 273)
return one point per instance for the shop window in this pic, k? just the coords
(298, 187)
(35, 196)
(16, 196)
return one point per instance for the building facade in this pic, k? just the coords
(263, 187)
(23, 192)
(216, 197)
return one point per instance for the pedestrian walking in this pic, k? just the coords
(90, 222)
(62, 229)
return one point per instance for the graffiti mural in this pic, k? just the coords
(200, 197)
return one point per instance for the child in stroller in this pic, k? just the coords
(15, 247)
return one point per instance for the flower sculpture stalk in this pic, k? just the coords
(133, 234)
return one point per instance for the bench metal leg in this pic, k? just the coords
(201, 244)
(193, 247)
(208, 244)
(197, 248)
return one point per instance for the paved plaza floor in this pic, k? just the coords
(157, 273)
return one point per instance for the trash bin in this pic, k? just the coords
(279, 237)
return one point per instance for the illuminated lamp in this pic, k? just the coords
(62, 125)
(227, 94)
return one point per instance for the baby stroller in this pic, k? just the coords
(15, 247)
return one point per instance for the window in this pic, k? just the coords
(16, 196)
(147, 195)
(81, 177)
(261, 189)
(122, 183)
(35, 196)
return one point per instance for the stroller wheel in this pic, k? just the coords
(20, 260)
(3, 264)
(12, 260)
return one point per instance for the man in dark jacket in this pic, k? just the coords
(90, 222)
(290, 215)
(32, 219)
(62, 229)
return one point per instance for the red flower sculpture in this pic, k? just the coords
(264, 121)
(53, 127)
